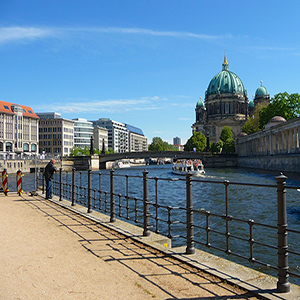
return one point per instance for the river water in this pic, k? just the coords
(245, 202)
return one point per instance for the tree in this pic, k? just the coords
(226, 134)
(252, 124)
(77, 151)
(159, 145)
(198, 141)
(229, 146)
(282, 104)
(227, 138)
(216, 147)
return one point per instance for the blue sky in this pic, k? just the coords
(144, 63)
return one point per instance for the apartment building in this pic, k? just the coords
(137, 141)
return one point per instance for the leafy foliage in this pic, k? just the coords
(282, 104)
(77, 151)
(227, 138)
(159, 145)
(216, 147)
(226, 134)
(252, 124)
(198, 141)
(229, 146)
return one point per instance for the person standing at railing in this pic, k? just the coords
(48, 173)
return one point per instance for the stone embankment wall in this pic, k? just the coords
(280, 163)
(25, 165)
(29, 165)
(276, 148)
(222, 160)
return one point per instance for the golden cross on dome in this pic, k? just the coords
(225, 63)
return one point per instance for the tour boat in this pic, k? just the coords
(120, 164)
(192, 166)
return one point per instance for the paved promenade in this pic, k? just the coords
(50, 252)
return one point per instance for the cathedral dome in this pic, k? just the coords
(225, 82)
(261, 91)
(251, 104)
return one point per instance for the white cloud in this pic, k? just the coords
(9, 34)
(107, 106)
(142, 31)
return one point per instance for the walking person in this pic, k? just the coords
(48, 173)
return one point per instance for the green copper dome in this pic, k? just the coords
(200, 103)
(226, 82)
(261, 91)
(251, 104)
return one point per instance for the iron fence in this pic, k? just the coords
(136, 202)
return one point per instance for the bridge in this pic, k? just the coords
(150, 154)
(100, 162)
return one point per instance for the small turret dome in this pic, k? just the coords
(261, 91)
(200, 103)
(275, 121)
(251, 104)
(241, 134)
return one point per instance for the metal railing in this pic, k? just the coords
(134, 203)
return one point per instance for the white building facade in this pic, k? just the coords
(123, 137)
(56, 135)
(18, 129)
(117, 134)
(100, 137)
(83, 131)
(137, 141)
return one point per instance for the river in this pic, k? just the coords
(245, 202)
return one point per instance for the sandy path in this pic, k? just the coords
(48, 252)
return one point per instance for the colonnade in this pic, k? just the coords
(283, 138)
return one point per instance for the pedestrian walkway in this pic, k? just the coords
(50, 252)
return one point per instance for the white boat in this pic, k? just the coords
(120, 164)
(191, 166)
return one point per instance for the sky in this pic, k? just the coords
(144, 63)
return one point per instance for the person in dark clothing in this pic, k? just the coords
(48, 173)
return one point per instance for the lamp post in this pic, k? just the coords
(92, 146)
(207, 141)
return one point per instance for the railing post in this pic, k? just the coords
(146, 204)
(60, 184)
(190, 248)
(112, 197)
(19, 182)
(43, 183)
(36, 179)
(5, 182)
(283, 285)
(89, 190)
(73, 186)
